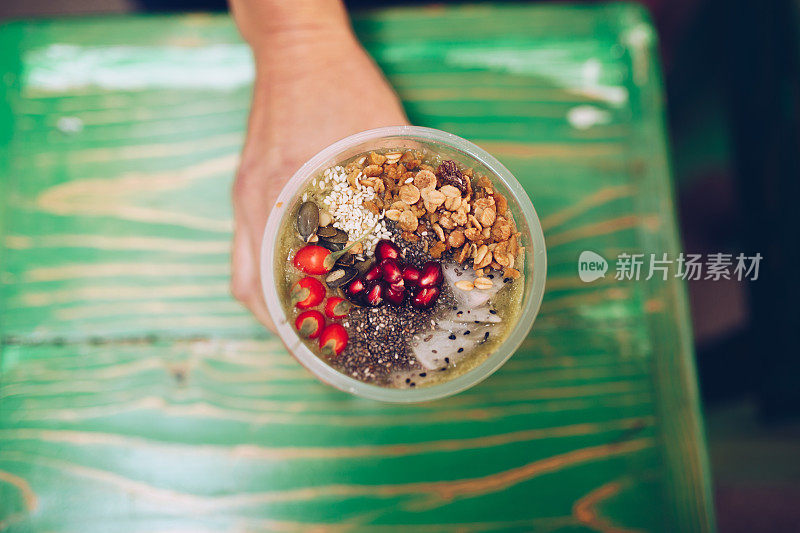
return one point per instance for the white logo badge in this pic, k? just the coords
(591, 266)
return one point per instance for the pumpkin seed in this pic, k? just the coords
(346, 260)
(363, 266)
(340, 276)
(332, 246)
(340, 237)
(327, 231)
(307, 220)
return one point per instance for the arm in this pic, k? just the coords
(314, 85)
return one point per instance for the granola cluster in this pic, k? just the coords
(469, 218)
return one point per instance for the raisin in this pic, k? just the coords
(448, 172)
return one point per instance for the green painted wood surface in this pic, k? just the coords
(137, 396)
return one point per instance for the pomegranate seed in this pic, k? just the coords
(426, 298)
(411, 275)
(374, 273)
(386, 249)
(431, 275)
(392, 273)
(376, 293)
(395, 296)
(355, 290)
(397, 287)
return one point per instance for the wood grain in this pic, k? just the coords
(135, 395)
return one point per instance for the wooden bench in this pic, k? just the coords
(136, 395)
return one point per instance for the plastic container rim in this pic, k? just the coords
(326, 373)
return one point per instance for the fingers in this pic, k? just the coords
(245, 272)
(245, 282)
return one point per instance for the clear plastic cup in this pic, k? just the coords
(449, 146)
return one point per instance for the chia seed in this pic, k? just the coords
(414, 253)
(380, 337)
(379, 341)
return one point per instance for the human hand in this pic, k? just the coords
(314, 85)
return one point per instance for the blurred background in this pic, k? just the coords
(732, 78)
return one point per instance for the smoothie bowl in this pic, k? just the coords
(403, 264)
